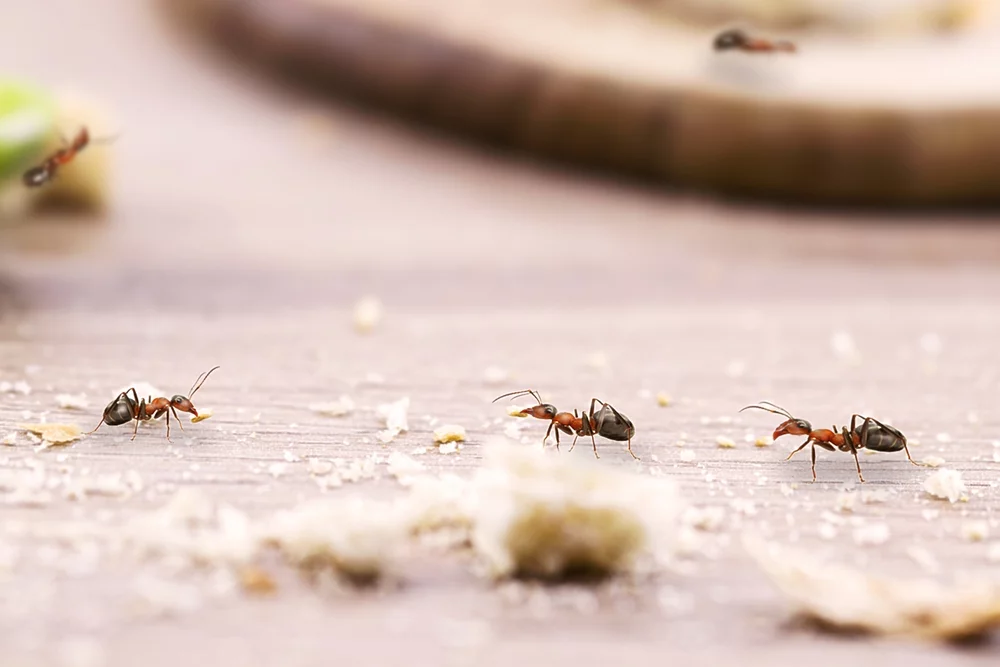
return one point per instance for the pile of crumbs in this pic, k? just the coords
(946, 484)
(842, 598)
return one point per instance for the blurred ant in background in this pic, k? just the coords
(47, 170)
(736, 39)
(606, 422)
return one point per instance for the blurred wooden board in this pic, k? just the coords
(911, 119)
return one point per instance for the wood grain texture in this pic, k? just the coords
(607, 85)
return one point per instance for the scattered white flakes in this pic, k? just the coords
(394, 416)
(975, 531)
(494, 375)
(448, 448)
(736, 369)
(162, 597)
(933, 461)
(931, 343)
(367, 314)
(404, 468)
(72, 401)
(276, 470)
(596, 360)
(290, 457)
(319, 467)
(10, 439)
(663, 399)
(704, 518)
(930, 515)
(203, 414)
(846, 501)
(725, 443)
(687, 455)
(449, 433)
(827, 531)
(946, 484)
(924, 558)
(871, 534)
(543, 515)
(763, 441)
(339, 408)
(417, 451)
(942, 437)
(844, 598)
(993, 553)
(353, 537)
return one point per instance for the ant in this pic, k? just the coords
(869, 434)
(606, 422)
(47, 170)
(127, 408)
(737, 39)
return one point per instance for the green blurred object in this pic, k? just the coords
(27, 121)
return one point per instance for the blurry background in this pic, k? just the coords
(248, 212)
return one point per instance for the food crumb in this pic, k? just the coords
(687, 455)
(449, 433)
(202, 415)
(367, 314)
(72, 401)
(319, 467)
(663, 399)
(764, 441)
(53, 434)
(975, 531)
(827, 531)
(341, 407)
(394, 416)
(725, 443)
(930, 515)
(276, 470)
(257, 581)
(448, 448)
(10, 439)
(933, 461)
(946, 484)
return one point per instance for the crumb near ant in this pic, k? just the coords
(202, 415)
(725, 443)
(54, 434)
(663, 399)
(449, 433)
(945, 484)
(257, 581)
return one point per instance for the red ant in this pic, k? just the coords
(870, 434)
(738, 39)
(47, 170)
(126, 408)
(606, 422)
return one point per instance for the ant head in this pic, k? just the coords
(544, 411)
(730, 39)
(184, 404)
(36, 176)
(792, 427)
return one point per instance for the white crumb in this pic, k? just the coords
(356, 470)
(449, 433)
(871, 534)
(933, 461)
(687, 455)
(276, 470)
(417, 451)
(544, 516)
(319, 467)
(367, 314)
(339, 408)
(394, 416)
(725, 443)
(72, 401)
(663, 399)
(764, 441)
(946, 484)
(448, 448)
(290, 457)
(404, 468)
(975, 531)
(848, 599)
(930, 515)
(10, 439)
(494, 375)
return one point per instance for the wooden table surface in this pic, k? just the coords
(247, 222)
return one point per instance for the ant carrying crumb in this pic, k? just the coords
(738, 40)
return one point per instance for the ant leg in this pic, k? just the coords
(630, 450)
(178, 418)
(168, 425)
(547, 432)
(557, 438)
(801, 447)
(135, 429)
(814, 461)
(910, 457)
(99, 425)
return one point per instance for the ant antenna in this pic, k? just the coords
(200, 381)
(777, 410)
(515, 394)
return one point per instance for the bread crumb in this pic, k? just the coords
(319, 467)
(871, 534)
(946, 484)
(687, 455)
(841, 598)
(367, 314)
(404, 468)
(764, 441)
(10, 439)
(550, 516)
(663, 399)
(449, 433)
(448, 448)
(341, 407)
(53, 434)
(202, 415)
(257, 581)
(276, 470)
(394, 416)
(516, 411)
(975, 531)
(72, 401)
(725, 443)
(932, 461)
